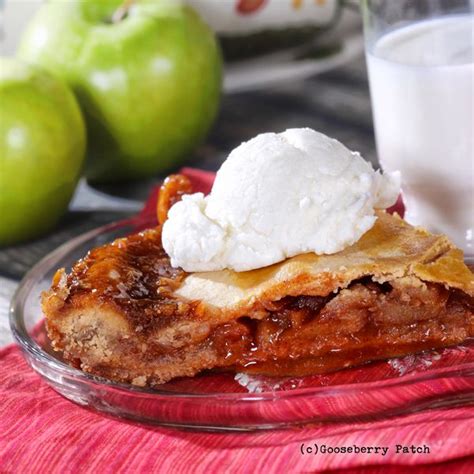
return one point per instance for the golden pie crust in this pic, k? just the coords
(124, 313)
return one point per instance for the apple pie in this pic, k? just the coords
(124, 313)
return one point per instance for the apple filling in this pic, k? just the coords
(366, 321)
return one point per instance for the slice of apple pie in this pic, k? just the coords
(125, 314)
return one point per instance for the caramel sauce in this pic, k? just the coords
(172, 190)
(135, 276)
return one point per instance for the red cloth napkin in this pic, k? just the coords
(40, 431)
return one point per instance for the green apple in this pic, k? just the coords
(42, 149)
(147, 75)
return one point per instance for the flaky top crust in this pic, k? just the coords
(391, 249)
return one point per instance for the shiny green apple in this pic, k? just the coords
(147, 76)
(42, 149)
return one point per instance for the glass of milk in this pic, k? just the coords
(420, 56)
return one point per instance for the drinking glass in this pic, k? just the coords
(420, 57)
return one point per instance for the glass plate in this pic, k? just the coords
(224, 401)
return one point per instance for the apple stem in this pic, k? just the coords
(122, 11)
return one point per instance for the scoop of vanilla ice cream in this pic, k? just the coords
(276, 196)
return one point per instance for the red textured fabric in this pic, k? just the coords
(43, 432)
(40, 432)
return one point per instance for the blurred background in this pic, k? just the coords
(286, 63)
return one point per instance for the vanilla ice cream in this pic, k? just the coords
(276, 196)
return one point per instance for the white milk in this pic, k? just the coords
(422, 88)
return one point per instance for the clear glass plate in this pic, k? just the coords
(225, 401)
